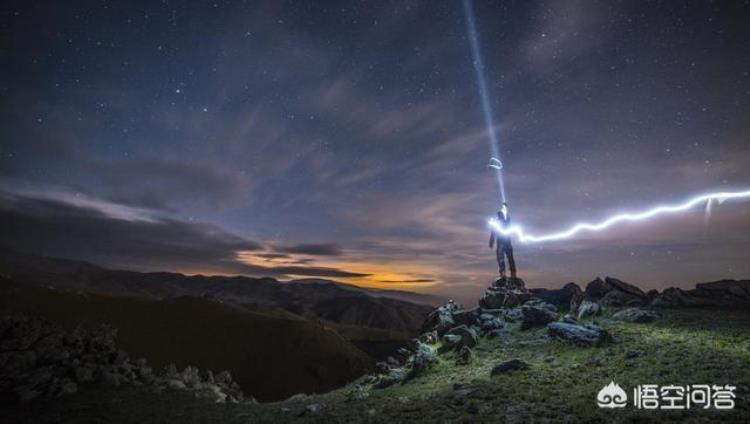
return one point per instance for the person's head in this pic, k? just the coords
(503, 209)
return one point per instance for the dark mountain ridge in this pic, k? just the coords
(317, 299)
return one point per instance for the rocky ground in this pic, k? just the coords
(522, 356)
(40, 359)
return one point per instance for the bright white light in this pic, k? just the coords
(496, 164)
(515, 230)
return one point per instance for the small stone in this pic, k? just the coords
(26, 392)
(463, 356)
(109, 379)
(84, 374)
(636, 315)
(176, 384)
(313, 408)
(588, 308)
(507, 366)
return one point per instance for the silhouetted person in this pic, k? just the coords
(502, 242)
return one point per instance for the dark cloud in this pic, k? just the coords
(423, 280)
(316, 249)
(270, 256)
(57, 228)
(163, 183)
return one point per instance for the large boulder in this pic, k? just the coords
(562, 298)
(537, 313)
(636, 315)
(441, 319)
(587, 335)
(458, 337)
(489, 322)
(723, 288)
(422, 359)
(674, 297)
(599, 288)
(619, 298)
(466, 317)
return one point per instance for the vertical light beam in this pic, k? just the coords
(471, 29)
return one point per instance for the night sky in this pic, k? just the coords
(345, 140)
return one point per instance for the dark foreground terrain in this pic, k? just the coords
(687, 346)
(272, 355)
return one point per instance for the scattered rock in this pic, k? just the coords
(618, 298)
(430, 337)
(588, 334)
(393, 376)
(176, 384)
(624, 293)
(463, 356)
(441, 319)
(511, 365)
(488, 322)
(421, 360)
(467, 317)
(313, 408)
(588, 308)
(512, 314)
(499, 333)
(109, 379)
(562, 298)
(458, 337)
(537, 313)
(42, 359)
(570, 319)
(631, 354)
(636, 315)
(723, 293)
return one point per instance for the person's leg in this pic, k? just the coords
(511, 261)
(500, 260)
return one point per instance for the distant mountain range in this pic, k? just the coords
(277, 338)
(344, 304)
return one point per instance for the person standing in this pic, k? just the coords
(502, 244)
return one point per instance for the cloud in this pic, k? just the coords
(89, 230)
(421, 280)
(316, 249)
(160, 182)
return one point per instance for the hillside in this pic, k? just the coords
(272, 355)
(312, 298)
(686, 346)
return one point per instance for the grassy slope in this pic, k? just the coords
(270, 355)
(687, 346)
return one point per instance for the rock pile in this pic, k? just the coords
(42, 359)
(505, 293)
